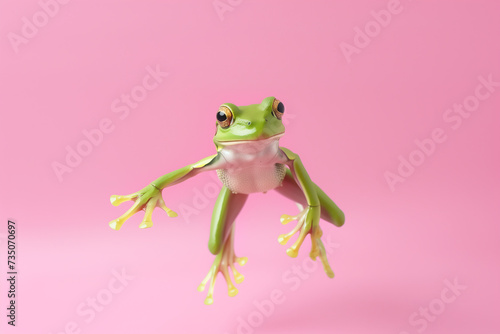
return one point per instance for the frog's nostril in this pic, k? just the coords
(249, 123)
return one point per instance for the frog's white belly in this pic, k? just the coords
(252, 167)
(252, 179)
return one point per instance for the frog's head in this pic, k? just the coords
(249, 123)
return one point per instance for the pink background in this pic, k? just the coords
(349, 119)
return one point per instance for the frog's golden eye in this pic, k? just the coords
(224, 117)
(278, 109)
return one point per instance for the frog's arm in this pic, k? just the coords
(184, 173)
(150, 197)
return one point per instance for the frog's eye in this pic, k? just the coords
(224, 117)
(278, 109)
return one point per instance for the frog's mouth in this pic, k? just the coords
(262, 141)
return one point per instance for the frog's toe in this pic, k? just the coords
(285, 219)
(318, 250)
(146, 224)
(238, 278)
(232, 291)
(115, 224)
(283, 238)
(209, 300)
(118, 199)
(314, 253)
(242, 260)
(292, 251)
(161, 204)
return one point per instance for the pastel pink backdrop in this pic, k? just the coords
(349, 121)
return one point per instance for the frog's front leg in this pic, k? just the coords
(221, 243)
(150, 197)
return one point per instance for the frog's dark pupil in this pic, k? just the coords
(281, 108)
(221, 117)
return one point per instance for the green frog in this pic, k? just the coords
(248, 160)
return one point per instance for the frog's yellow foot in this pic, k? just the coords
(293, 251)
(147, 199)
(307, 223)
(224, 261)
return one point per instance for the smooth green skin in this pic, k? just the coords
(227, 206)
(252, 122)
(329, 210)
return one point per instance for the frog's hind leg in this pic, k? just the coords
(329, 210)
(221, 242)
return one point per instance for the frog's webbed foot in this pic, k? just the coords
(307, 223)
(224, 261)
(146, 199)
